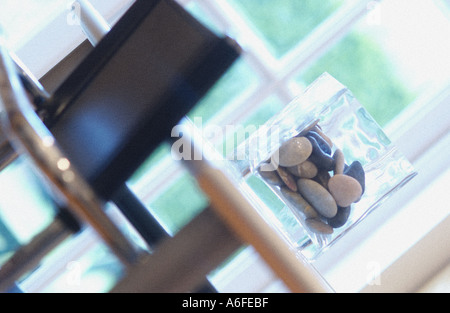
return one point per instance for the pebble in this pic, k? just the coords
(287, 178)
(318, 197)
(318, 130)
(271, 177)
(319, 227)
(319, 157)
(345, 189)
(341, 217)
(339, 161)
(356, 171)
(315, 181)
(320, 141)
(299, 203)
(293, 152)
(306, 169)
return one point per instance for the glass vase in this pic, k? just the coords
(320, 166)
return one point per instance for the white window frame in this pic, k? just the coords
(58, 39)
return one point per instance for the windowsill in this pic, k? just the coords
(440, 283)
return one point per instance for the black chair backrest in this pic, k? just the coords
(137, 83)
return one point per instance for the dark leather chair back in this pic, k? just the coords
(136, 85)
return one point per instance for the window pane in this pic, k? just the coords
(160, 153)
(284, 23)
(22, 20)
(238, 79)
(391, 57)
(179, 204)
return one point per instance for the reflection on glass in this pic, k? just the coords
(284, 23)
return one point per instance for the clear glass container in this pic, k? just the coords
(326, 161)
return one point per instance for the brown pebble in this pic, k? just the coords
(287, 178)
(339, 161)
(345, 189)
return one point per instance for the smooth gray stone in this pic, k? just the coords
(318, 197)
(306, 169)
(293, 152)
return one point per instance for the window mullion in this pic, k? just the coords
(255, 50)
